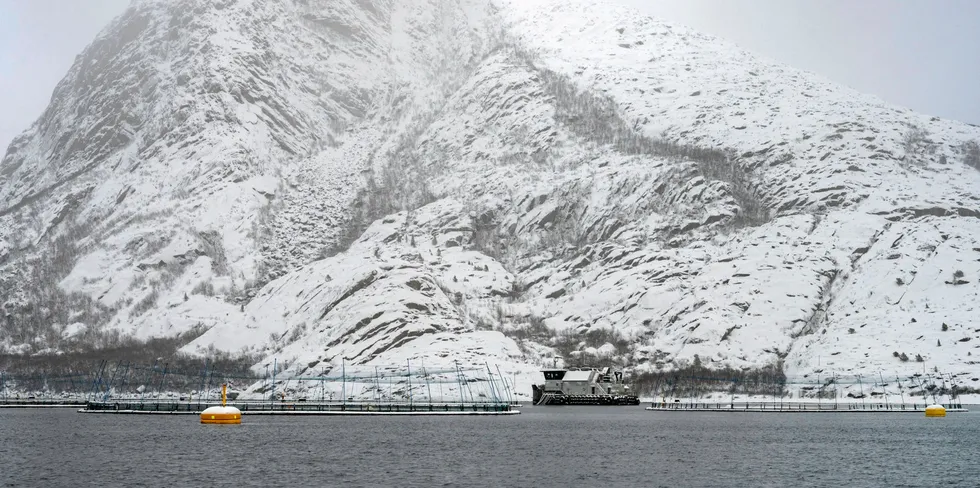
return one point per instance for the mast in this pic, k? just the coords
(819, 384)
(275, 366)
(112, 379)
(146, 381)
(124, 380)
(943, 388)
(410, 399)
(884, 390)
(900, 390)
(459, 379)
(954, 395)
(493, 386)
(835, 390)
(428, 387)
(97, 381)
(510, 398)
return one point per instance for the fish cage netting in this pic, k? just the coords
(371, 383)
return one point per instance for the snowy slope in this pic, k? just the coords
(473, 181)
(169, 142)
(803, 274)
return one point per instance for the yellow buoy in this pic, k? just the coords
(222, 414)
(935, 411)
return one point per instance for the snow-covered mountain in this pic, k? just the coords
(484, 181)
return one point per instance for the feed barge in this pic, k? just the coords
(583, 387)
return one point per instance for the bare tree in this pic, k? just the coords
(971, 154)
(917, 146)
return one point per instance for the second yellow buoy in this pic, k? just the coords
(935, 411)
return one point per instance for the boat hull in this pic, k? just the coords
(542, 398)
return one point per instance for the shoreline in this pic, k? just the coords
(968, 399)
(324, 413)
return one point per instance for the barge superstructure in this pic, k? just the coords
(583, 387)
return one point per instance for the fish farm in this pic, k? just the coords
(833, 394)
(124, 388)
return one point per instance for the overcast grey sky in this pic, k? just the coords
(920, 54)
(916, 53)
(38, 43)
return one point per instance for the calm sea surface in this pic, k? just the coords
(543, 447)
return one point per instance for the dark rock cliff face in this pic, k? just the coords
(381, 180)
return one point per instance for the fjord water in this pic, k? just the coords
(543, 447)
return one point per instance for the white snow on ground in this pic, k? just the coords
(226, 152)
